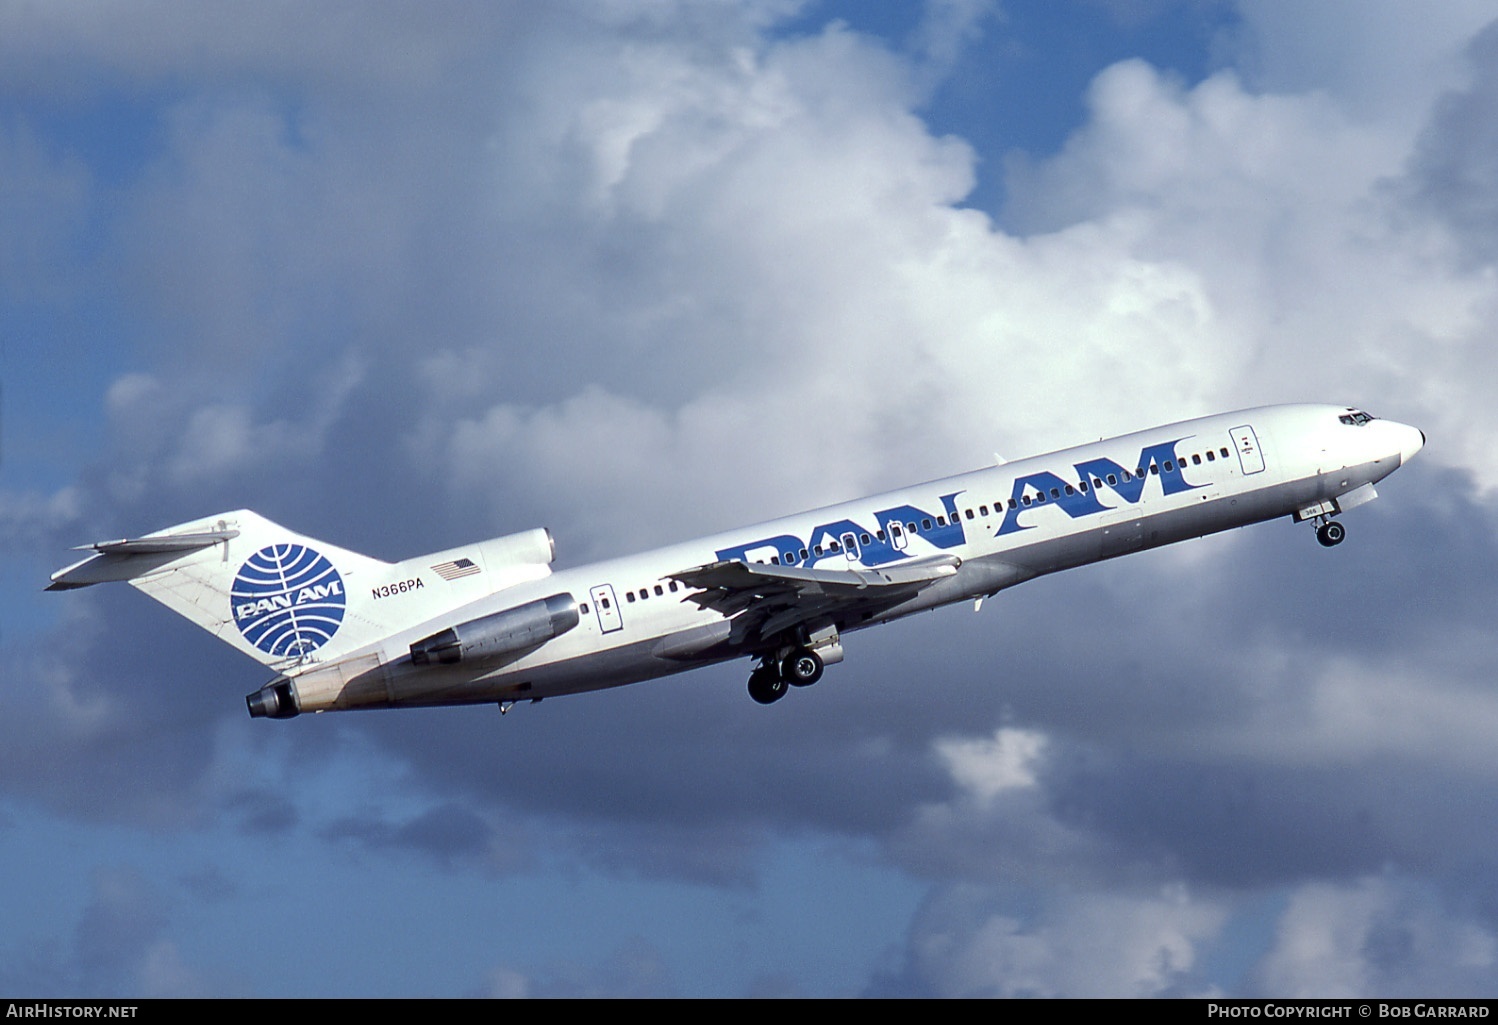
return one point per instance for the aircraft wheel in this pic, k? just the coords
(766, 686)
(803, 668)
(1331, 533)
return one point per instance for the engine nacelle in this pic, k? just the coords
(501, 633)
(276, 700)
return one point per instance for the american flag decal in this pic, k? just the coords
(455, 569)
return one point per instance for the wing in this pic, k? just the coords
(766, 601)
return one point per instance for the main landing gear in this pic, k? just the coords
(801, 668)
(1330, 533)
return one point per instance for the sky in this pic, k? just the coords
(402, 276)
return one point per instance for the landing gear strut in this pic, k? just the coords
(1330, 533)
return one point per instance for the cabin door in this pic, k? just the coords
(1250, 457)
(607, 608)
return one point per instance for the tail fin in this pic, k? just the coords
(279, 597)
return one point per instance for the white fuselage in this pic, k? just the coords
(1003, 524)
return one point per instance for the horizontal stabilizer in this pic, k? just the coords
(154, 545)
(130, 557)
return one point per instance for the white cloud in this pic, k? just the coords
(1079, 945)
(1383, 60)
(1376, 936)
(987, 767)
(29, 517)
(1314, 279)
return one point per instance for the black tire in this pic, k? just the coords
(803, 668)
(766, 686)
(1331, 533)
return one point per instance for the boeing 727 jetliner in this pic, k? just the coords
(491, 623)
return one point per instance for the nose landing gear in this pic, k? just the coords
(1330, 533)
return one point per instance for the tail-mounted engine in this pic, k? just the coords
(525, 626)
(276, 700)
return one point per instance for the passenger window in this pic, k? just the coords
(1196, 460)
(926, 524)
(1211, 456)
(629, 596)
(863, 539)
(983, 509)
(1069, 490)
(969, 513)
(1112, 479)
(583, 607)
(672, 585)
(1224, 453)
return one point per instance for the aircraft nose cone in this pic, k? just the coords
(1412, 440)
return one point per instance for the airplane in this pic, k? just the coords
(491, 623)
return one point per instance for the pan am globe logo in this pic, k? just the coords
(288, 600)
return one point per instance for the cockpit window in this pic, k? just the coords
(1355, 418)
